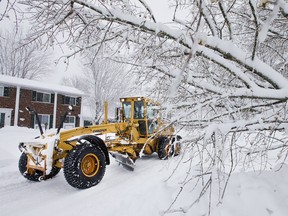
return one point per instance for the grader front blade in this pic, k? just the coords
(124, 160)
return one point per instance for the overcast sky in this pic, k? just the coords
(162, 13)
(160, 10)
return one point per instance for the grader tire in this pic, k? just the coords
(162, 151)
(33, 174)
(84, 166)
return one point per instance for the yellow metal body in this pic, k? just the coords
(138, 126)
(136, 131)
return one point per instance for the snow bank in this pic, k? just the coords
(11, 136)
(256, 194)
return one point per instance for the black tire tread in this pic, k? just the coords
(72, 171)
(162, 143)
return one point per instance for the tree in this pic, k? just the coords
(24, 61)
(102, 80)
(7, 6)
(223, 64)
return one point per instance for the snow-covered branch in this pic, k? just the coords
(218, 66)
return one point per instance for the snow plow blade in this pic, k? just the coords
(124, 160)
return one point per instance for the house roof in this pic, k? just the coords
(40, 86)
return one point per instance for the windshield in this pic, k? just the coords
(127, 109)
(138, 110)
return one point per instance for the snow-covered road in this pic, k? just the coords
(121, 192)
(143, 192)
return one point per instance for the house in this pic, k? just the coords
(50, 101)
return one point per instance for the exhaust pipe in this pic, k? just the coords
(105, 113)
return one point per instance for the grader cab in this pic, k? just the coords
(83, 152)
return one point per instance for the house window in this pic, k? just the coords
(4, 91)
(42, 97)
(44, 121)
(1, 91)
(69, 100)
(69, 122)
(70, 119)
(87, 123)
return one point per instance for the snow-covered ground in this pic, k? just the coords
(146, 191)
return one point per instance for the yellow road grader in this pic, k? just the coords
(83, 152)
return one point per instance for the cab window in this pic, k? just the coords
(152, 114)
(138, 110)
(152, 111)
(127, 109)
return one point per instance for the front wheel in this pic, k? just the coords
(34, 174)
(84, 166)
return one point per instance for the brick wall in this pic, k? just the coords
(62, 108)
(24, 118)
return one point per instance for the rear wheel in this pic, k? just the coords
(84, 166)
(163, 144)
(166, 148)
(34, 174)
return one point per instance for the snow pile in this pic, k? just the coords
(146, 191)
(257, 194)
(248, 194)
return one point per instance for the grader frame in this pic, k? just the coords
(83, 152)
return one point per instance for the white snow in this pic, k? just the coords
(146, 191)
(265, 25)
(284, 6)
(37, 85)
(260, 66)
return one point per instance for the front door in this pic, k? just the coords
(5, 117)
(2, 120)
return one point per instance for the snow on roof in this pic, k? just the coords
(40, 86)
